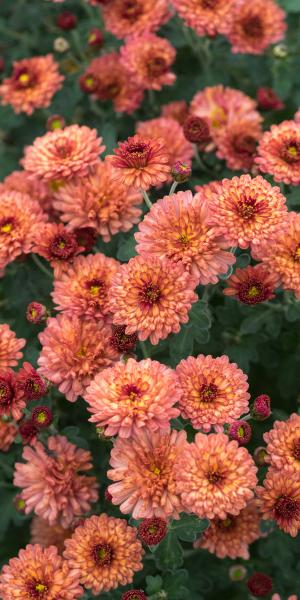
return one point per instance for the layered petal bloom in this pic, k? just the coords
(52, 482)
(214, 391)
(255, 26)
(10, 347)
(279, 499)
(178, 228)
(21, 181)
(215, 476)
(148, 59)
(230, 537)
(8, 432)
(252, 285)
(152, 297)
(73, 351)
(63, 154)
(123, 18)
(83, 289)
(279, 152)
(141, 162)
(238, 142)
(32, 84)
(143, 469)
(48, 535)
(57, 245)
(206, 17)
(283, 444)
(105, 552)
(133, 395)
(100, 202)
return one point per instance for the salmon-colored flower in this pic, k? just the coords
(133, 395)
(238, 142)
(255, 26)
(83, 289)
(32, 84)
(48, 535)
(143, 469)
(125, 17)
(279, 152)
(141, 162)
(279, 499)
(252, 285)
(100, 202)
(148, 59)
(177, 110)
(230, 537)
(8, 431)
(215, 476)
(177, 228)
(215, 391)
(105, 552)
(283, 444)
(52, 482)
(21, 181)
(56, 245)
(206, 17)
(63, 154)
(10, 347)
(152, 297)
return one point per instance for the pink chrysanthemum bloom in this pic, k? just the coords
(57, 245)
(52, 482)
(105, 552)
(283, 444)
(8, 432)
(20, 218)
(21, 181)
(251, 209)
(30, 384)
(230, 537)
(143, 469)
(255, 26)
(279, 152)
(215, 476)
(10, 347)
(206, 17)
(141, 162)
(148, 59)
(252, 285)
(215, 391)
(73, 351)
(279, 499)
(152, 297)
(107, 79)
(100, 202)
(177, 228)
(39, 573)
(32, 84)
(177, 110)
(171, 132)
(238, 142)
(133, 395)
(48, 535)
(63, 154)
(125, 17)
(83, 289)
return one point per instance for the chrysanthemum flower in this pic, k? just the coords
(107, 79)
(20, 218)
(177, 228)
(48, 535)
(215, 476)
(279, 499)
(252, 285)
(32, 84)
(260, 585)
(171, 132)
(57, 245)
(279, 152)
(27, 431)
(152, 531)
(41, 417)
(125, 17)
(73, 351)
(99, 202)
(39, 573)
(52, 482)
(148, 59)
(177, 109)
(241, 431)
(8, 431)
(238, 142)
(215, 391)
(133, 395)
(255, 26)
(21, 181)
(63, 154)
(143, 469)
(83, 289)
(283, 444)
(10, 347)
(122, 342)
(206, 17)
(31, 385)
(36, 312)
(230, 537)
(105, 552)
(152, 297)
(138, 595)
(250, 208)
(141, 162)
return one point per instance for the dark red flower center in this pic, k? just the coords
(209, 4)
(287, 508)
(37, 589)
(63, 147)
(131, 9)
(152, 530)
(208, 393)
(6, 394)
(23, 78)
(131, 392)
(291, 152)
(214, 477)
(102, 554)
(296, 448)
(121, 341)
(111, 90)
(63, 246)
(7, 225)
(252, 292)
(253, 27)
(247, 207)
(227, 523)
(157, 66)
(33, 387)
(96, 287)
(136, 155)
(150, 294)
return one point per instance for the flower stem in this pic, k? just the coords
(147, 199)
(173, 187)
(41, 266)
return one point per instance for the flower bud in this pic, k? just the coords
(19, 503)
(237, 573)
(260, 456)
(196, 130)
(181, 172)
(61, 45)
(41, 417)
(95, 38)
(134, 595)
(240, 431)
(280, 51)
(268, 100)
(261, 408)
(36, 312)
(152, 531)
(55, 122)
(66, 20)
(259, 585)
(88, 83)
(27, 431)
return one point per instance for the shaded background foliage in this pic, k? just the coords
(264, 340)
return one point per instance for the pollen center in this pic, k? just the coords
(214, 477)
(253, 27)
(287, 508)
(102, 554)
(6, 225)
(150, 293)
(208, 393)
(155, 469)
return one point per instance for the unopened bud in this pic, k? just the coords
(237, 573)
(55, 122)
(240, 431)
(36, 312)
(261, 408)
(181, 172)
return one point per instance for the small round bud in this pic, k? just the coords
(122, 342)
(280, 51)
(95, 38)
(241, 432)
(55, 122)
(134, 595)
(61, 45)
(41, 417)
(107, 496)
(237, 573)
(86, 237)
(152, 531)
(36, 312)
(267, 99)
(27, 431)
(261, 408)
(181, 172)
(196, 130)
(259, 585)
(66, 20)
(88, 83)
(2, 64)
(19, 503)
(259, 456)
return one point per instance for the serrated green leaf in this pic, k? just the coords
(189, 527)
(153, 584)
(169, 554)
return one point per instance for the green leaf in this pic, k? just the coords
(7, 508)
(169, 554)
(174, 584)
(126, 249)
(188, 527)
(153, 584)
(181, 344)
(109, 134)
(255, 321)
(291, 5)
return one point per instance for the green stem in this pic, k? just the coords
(147, 199)
(41, 266)
(200, 161)
(77, 44)
(173, 187)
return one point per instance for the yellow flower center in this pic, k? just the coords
(292, 151)
(40, 587)
(24, 78)
(81, 352)
(41, 417)
(217, 117)
(56, 184)
(253, 291)
(6, 228)
(155, 469)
